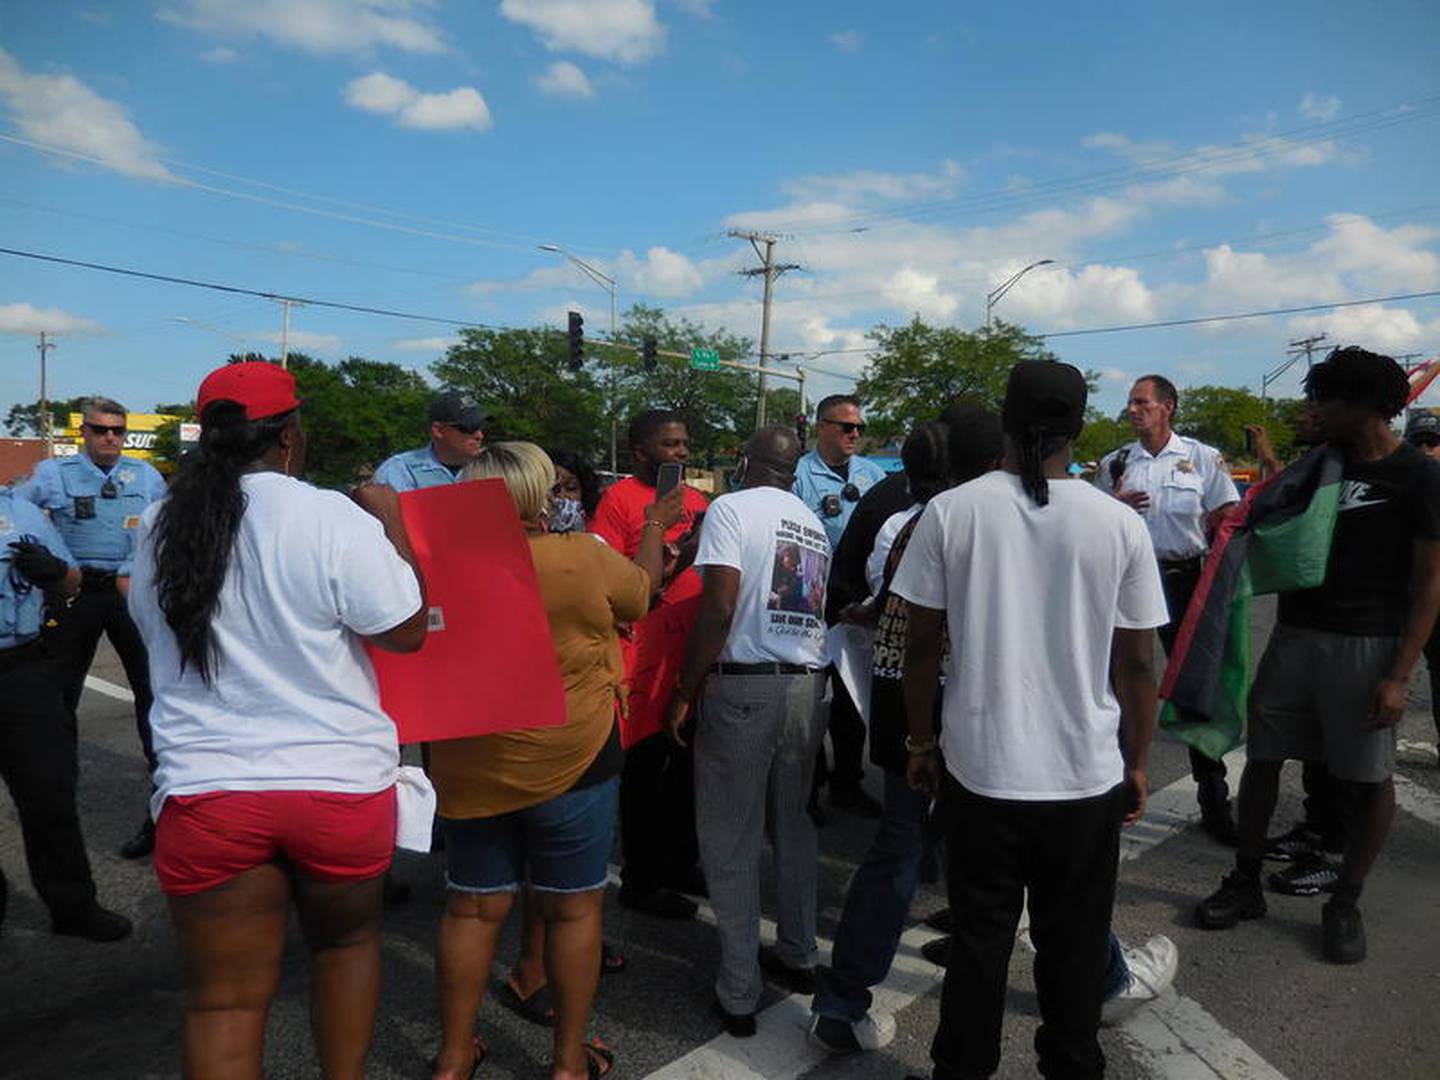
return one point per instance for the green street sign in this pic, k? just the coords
(705, 359)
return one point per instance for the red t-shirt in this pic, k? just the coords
(620, 521)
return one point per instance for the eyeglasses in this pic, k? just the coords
(105, 429)
(846, 426)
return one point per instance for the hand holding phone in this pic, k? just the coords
(667, 478)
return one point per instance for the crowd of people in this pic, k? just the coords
(1005, 612)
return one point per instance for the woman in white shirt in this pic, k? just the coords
(276, 775)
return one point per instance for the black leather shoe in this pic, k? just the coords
(1239, 897)
(94, 923)
(739, 1025)
(141, 844)
(937, 951)
(662, 903)
(797, 980)
(855, 800)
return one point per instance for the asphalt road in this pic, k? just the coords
(1258, 1001)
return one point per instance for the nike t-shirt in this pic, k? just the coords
(1385, 506)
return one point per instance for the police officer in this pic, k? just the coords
(457, 429)
(1182, 489)
(95, 499)
(830, 480)
(37, 756)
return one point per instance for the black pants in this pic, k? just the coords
(1432, 661)
(847, 737)
(1179, 580)
(657, 815)
(37, 762)
(100, 609)
(1063, 855)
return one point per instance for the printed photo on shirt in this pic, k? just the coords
(798, 573)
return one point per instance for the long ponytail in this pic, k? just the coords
(1032, 465)
(196, 527)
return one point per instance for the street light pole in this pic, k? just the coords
(993, 297)
(606, 282)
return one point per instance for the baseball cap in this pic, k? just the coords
(1422, 422)
(263, 388)
(1044, 396)
(456, 409)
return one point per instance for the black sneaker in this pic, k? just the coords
(937, 951)
(94, 923)
(1307, 877)
(739, 1025)
(141, 844)
(662, 903)
(796, 980)
(1342, 933)
(855, 800)
(1295, 845)
(1239, 897)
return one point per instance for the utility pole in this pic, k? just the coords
(45, 427)
(285, 305)
(771, 271)
(1306, 346)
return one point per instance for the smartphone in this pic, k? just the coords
(1249, 441)
(667, 478)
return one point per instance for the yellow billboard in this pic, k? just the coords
(140, 434)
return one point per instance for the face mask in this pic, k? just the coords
(566, 515)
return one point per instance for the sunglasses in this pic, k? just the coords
(846, 426)
(105, 429)
(466, 429)
(1426, 442)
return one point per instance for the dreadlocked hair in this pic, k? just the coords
(196, 526)
(1358, 377)
(1035, 445)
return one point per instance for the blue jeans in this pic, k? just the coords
(876, 906)
(1117, 973)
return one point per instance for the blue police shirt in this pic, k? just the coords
(412, 469)
(22, 603)
(814, 480)
(99, 531)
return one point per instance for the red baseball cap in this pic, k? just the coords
(265, 389)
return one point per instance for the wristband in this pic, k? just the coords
(920, 746)
(652, 521)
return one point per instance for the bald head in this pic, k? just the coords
(770, 456)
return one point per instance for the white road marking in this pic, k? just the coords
(1171, 1037)
(1414, 746)
(109, 689)
(1417, 800)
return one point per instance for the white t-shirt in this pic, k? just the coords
(884, 541)
(293, 703)
(780, 548)
(1032, 597)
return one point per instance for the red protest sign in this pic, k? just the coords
(488, 664)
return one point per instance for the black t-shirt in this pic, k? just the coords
(847, 566)
(1385, 506)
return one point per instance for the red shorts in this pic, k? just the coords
(202, 841)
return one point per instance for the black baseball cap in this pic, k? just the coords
(456, 409)
(1045, 397)
(1422, 422)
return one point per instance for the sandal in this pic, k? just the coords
(538, 1008)
(599, 1058)
(612, 960)
(480, 1051)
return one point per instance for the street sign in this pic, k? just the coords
(705, 359)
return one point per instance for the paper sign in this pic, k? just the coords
(488, 664)
(852, 651)
(654, 660)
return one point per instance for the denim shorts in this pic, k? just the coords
(561, 845)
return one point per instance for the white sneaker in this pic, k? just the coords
(870, 1032)
(1152, 970)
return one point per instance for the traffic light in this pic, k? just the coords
(577, 340)
(649, 358)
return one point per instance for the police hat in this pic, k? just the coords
(456, 409)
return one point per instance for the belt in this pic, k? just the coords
(1192, 563)
(16, 654)
(93, 579)
(726, 667)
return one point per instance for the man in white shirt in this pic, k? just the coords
(1050, 593)
(1181, 489)
(755, 664)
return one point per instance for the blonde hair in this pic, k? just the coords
(527, 470)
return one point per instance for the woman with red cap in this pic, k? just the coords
(276, 778)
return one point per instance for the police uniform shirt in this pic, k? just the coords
(410, 470)
(22, 602)
(1185, 481)
(96, 511)
(814, 480)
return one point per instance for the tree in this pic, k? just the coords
(920, 369)
(24, 420)
(1101, 434)
(1217, 415)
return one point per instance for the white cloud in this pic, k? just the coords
(426, 344)
(701, 9)
(1323, 109)
(1256, 152)
(386, 95)
(316, 26)
(866, 183)
(564, 79)
(23, 318)
(1373, 326)
(847, 41)
(662, 273)
(220, 54)
(62, 111)
(626, 31)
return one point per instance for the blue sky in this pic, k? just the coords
(1173, 161)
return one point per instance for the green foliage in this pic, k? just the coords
(1217, 415)
(1100, 435)
(921, 368)
(23, 421)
